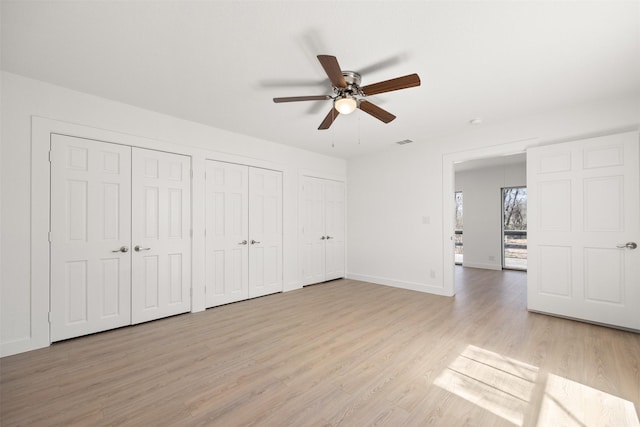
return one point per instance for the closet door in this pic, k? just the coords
(161, 253)
(227, 246)
(265, 232)
(90, 236)
(334, 229)
(312, 230)
(322, 230)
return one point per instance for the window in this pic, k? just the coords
(458, 230)
(514, 228)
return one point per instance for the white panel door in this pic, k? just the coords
(312, 230)
(584, 207)
(227, 248)
(322, 230)
(334, 229)
(161, 253)
(265, 232)
(90, 223)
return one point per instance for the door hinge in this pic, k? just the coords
(191, 173)
(49, 317)
(191, 292)
(49, 236)
(191, 233)
(205, 232)
(49, 156)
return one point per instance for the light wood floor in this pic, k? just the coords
(342, 353)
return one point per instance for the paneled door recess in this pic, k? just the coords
(243, 232)
(114, 262)
(322, 230)
(584, 228)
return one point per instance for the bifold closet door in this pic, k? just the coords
(227, 221)
(90, 236)
(120, 240)
(322, 230)
(243, 232)
(265, 232)
(161, 234)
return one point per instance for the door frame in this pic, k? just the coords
(448, 201)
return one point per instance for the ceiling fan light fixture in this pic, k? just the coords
(345, 104)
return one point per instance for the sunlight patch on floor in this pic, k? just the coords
(569, 403)
(494, 382)
(505, 386)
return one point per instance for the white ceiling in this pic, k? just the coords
(221, 62)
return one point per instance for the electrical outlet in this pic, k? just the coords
(492, 258)
(433, 274)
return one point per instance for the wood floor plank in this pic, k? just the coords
(340, 353)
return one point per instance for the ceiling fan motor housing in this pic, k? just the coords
(353, 84)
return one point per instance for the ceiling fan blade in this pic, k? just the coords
(326, 123)
(385, 63)
(302, 98)
(398, 83)
(332, 68)
(376, 111)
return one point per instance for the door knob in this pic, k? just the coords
(323, 237)
(628, 245)
(122, 249)
(244, 242)
(139, 248)
(253, 242)
(329, 237)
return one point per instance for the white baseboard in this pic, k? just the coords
(413, 286)
(21, 346)
(292, 286)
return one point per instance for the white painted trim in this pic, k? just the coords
(448, 203)
(413, 286)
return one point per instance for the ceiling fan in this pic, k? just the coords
(348, 93)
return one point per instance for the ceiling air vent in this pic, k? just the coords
(404, 141)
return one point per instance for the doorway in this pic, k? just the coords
(498, 154)
(459, 248)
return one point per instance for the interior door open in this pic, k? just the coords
(584, 227)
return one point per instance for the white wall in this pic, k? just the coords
(392, 221)
(21, 300)
(482, 200)
(390, 193)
